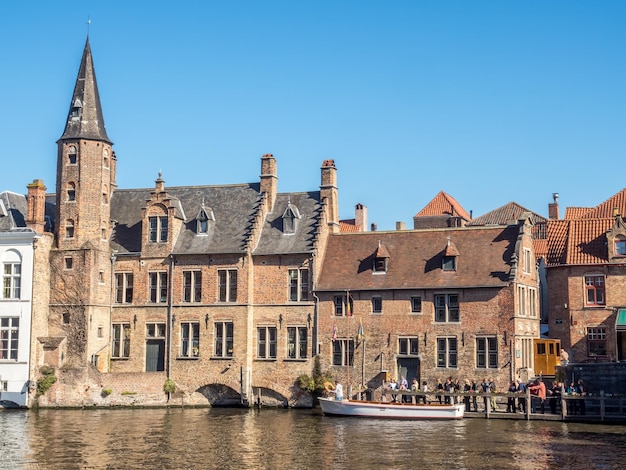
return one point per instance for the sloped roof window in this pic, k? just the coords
(450, 255)
(202, 220)
(76, 107)
(381, 258)
(290, 217)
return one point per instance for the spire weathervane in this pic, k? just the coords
(88, 24)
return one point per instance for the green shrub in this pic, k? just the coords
(106, 392)
(44, 383)
(169, 386)
(126, 392)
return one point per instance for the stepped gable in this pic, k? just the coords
(275, 240)
(233, 207)
(443, 204)
(415, 259)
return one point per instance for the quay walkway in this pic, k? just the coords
(588, 408)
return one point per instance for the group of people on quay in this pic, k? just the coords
(444, 392)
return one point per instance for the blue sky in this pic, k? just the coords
(490, 101)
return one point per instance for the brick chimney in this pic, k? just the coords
(36, 212)
(400, 225)
(360, 217)
(269, 179)
(553, 208)
(329, 194)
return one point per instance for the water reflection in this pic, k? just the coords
(296, 439)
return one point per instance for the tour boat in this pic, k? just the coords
(381, 409)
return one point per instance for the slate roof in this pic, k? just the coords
(415, 259)
(274, 240)
(90, 122)
(12, 211)
(234, 208)
(443, 204)
(232, 205)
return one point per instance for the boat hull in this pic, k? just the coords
(370, 409)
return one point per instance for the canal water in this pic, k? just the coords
(215, 438)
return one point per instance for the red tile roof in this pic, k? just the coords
(348, 226)
(605, 209)
(581, 241)
(576, 212)
(443, 204)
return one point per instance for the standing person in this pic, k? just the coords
(338, 391)
(448, 387)
(404, 385)
(493, 389)
(425, 390)
(415, 387)
(572, 390)
(521, 401)
(474, 390)
(510, 403)
(393, 385)
(539, 389)
(439, 390)
(582, 391)
(485, 387)
(555, 396)
(466, 399)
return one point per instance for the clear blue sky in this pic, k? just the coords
(490, 101)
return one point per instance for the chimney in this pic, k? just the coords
(36, 212)
(360, 217)
(329, 194)
(374, 227)
(400, 225)
(553, 208)
(269, 179)
(160, 183)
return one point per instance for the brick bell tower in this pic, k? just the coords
(81, 276)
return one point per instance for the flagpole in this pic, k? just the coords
(349, 337)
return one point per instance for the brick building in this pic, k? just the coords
(429, 303)
(586, 275)
(209, 286)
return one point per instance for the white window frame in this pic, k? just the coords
(299, 285)
(9, 338)
(189, 339)
(227, 285)
(124, 287)
(297, 342)
(224, 339)
(158, 287)
(192, 286)
(12, 280)
(120, 340)
(267, 342)
(447, 352)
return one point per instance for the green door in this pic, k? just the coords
(155, 355)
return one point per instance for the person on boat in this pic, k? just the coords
(448, 387)
(404, 385)
(425, 390)
(393, 385)
(338, 391)
(415, 387)
(439, 390)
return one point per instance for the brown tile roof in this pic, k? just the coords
(541, 248)
(581, 241)
(443, 204)
(416, 259)
(505, 215)
(348, 226)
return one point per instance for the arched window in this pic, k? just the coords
(11, 275)
(71, 191)
(72, 155)
(105, 158)
(69, 228)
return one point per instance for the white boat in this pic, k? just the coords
(381, 409)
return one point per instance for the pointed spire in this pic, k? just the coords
(85, 119)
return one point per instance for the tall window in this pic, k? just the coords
(298, 284)
(9, 335)
(446, 352)
(344, 305)
(190, 339)
(297, 342)
(123, 288)
(11, 280)
(121, 340)
(223, 339)
(487, 352)
(416, 304)
(343, 352)
(408, 346)
(594, 287)
(158, 287)
(192, 286)
(596, 341)
(69, 228)
(528, 262)
(532, 301)
(72, 155)
(447, 308)
(521, 300)
(71, 192)
(227, 285)
(377, 304)
(157, 229)
(266, 342)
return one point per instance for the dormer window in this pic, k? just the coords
(290, 216)
(381, 259)
(620, 246)
(76, 107)
(202, 220)
(449, 258)
(157, 229)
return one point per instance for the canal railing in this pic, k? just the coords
(567, 407)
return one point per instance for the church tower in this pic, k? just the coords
(85, 167)
(81, 262)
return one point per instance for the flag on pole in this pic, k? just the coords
(359, 335)
(348, 304)
(335, 332)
